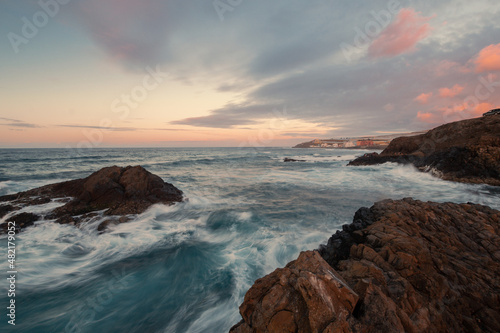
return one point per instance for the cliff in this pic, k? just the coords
(464, 151)
(401, 266)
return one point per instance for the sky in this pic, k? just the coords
(162, 73)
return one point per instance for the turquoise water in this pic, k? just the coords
(186, 268)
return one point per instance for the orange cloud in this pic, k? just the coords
(451, 92)
(488, 59)
(428, 117)
(482, 108)
(402, 35)
(423, 98)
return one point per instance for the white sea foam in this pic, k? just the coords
(198, 258)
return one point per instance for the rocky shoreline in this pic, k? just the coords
(402, 265)
(115, 191)
(465, 151)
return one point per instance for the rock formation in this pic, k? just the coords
(401, 266)
(118, 191)
(465, 151)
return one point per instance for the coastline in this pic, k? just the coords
(401, 265)
(263, 223)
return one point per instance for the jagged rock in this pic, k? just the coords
(415, 267)
(280, 301)
(116, 190)
(465, 151)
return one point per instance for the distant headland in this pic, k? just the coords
(361, 142)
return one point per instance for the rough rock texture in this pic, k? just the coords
(465, 151)
(411, 266)
(276, 302)
(118, 191)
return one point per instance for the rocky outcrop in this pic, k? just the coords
(465, 151)
(277, 302)
(116, 190)
(401, 266)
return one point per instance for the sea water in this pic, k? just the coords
(187, 267)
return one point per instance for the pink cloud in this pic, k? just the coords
(428, 117)
(488, 59)
(131, 31)
(451, 92)
(482, 108)
(402, 35)
(444, 114)
(423, 98)
(446, 67)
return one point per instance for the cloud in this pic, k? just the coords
(115, 129)
(488, 59)
(402, 35)
(446, 67)
(293, 57)
(18, 123)
(11, 120)
(231, 116)
(451, 92)
(22, 125)
(428, 117)
(121, 129)
(130, 31)
(424, 98)
(482, 108)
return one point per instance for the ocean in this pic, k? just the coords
(187, 267)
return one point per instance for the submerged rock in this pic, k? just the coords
(464, 151)
(401, 266)
(116, 190)
(292, 160)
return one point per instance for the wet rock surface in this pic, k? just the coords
(22, 220)
(114, 190)
(401, 266)
(464, 151)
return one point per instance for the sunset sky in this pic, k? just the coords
(98, 73)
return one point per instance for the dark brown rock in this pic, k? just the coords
(121, 191)
(292, 160)
(411, 266)
(22, 220)
(5, 209)
(465, 151)
(116, 190)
